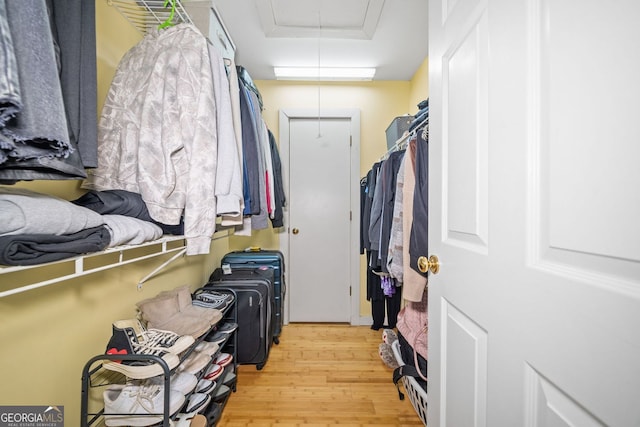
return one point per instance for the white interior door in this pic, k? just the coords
(534, 213)
(320, 237)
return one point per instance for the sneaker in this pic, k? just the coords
(229, 378)
(208, 348)
(227, 328)
(209, 298)
(166, 340)
(216, 337)
(386, 354)
(223, 359)
(197, 402)
(195, 363)
(125, 342)
(389, 336)
(221, 393)
(205, 386)
(182, 382)
(213, 372)
(134, 404)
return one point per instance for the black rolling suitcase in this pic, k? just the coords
(256, 257)
(255, 306)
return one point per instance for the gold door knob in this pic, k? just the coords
(431, 264)
(295, 231)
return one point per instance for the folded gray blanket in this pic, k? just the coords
(27, 212)
(32, 249)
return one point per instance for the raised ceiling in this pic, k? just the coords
(390, 35)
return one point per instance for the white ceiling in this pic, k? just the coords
(390, 35)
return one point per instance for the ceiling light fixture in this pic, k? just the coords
(324, 73)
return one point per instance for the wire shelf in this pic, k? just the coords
(146, 15)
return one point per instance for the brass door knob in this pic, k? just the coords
(431, 264)
(295, 231)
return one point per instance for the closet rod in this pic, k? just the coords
(402, 141)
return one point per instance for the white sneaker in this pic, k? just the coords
(166, 340)
(183, 382)
(206, 347)
(131, 405)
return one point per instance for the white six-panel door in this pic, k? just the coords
(321, 160)
(534, 212)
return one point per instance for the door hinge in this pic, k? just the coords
(350, 141)
(349, 290)
(350, 215)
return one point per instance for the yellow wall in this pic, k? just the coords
(419, 86)
(48, 334)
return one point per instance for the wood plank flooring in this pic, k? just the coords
(319, 375)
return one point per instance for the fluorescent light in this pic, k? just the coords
(325, 73)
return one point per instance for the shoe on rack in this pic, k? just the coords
(208, 348)
(195, 363)
(131, 405)
(229, 378)
(227, 327)
(198, 402)
(166, 340)
(221, 393)
(182, 382)
(213, 372)
(173, 311)
(124, 342)
(209, 298)
(205, 386)
(223, 359)
(216, 337)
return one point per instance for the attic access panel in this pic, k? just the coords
(354, 19)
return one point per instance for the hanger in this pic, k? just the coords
(169, 21)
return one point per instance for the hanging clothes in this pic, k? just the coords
(389, 172)
(157, 132)
(74, 31)
(418, 245)
(228, 187)
(280, 199)
(414, 283)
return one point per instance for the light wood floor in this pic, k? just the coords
(319, 375)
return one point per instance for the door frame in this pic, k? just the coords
(353, 115)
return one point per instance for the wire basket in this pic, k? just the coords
(417, 395)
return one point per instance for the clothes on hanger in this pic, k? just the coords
(157, 132)
(388, 192)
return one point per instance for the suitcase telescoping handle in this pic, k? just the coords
(253, 249)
